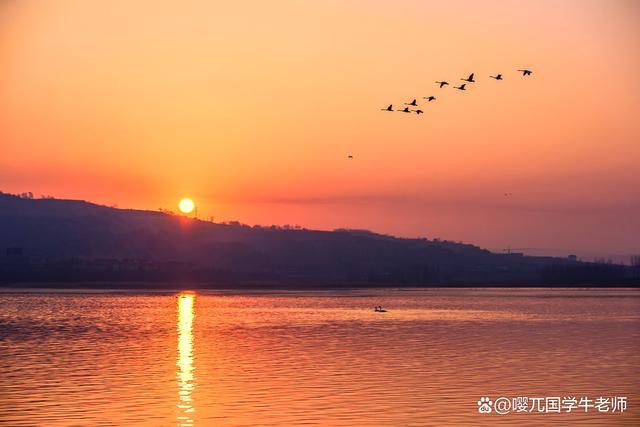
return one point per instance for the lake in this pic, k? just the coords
(325, 358)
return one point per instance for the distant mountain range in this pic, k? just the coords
(52, 240)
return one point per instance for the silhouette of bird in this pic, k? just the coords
(469, 79)
(526, 72)
(406, 110)
(498, 77)
(413, 103)
(442, 83)
(418, 111)
(461, 87)
(389, 108)
(350, 156)
(430, 98)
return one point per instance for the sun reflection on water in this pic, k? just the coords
(185, 366)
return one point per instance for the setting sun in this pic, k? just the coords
(186, 205)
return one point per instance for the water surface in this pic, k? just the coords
(80, 358)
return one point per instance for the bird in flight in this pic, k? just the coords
(443, 83)
(469, 79)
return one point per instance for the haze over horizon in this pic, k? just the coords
(252, 114)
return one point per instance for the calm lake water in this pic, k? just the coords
(83, 358)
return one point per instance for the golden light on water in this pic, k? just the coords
(185, 366)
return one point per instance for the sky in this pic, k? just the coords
(251, 108)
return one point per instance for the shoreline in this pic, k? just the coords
(252, 286)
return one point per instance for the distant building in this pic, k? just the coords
(572, 258)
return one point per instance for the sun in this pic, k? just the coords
(186, 205)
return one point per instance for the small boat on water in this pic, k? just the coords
(379, 309)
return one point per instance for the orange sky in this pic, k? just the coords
(251, 108)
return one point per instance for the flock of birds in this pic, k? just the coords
(442, 84)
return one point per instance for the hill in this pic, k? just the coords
(72, 240)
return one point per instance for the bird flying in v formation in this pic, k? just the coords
(442, 83)
(469, 79)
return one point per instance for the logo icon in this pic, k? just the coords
(484, 405)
